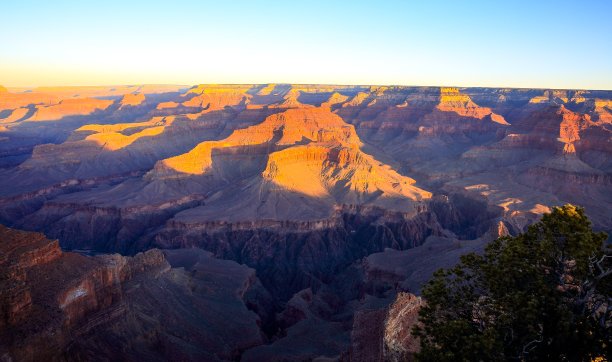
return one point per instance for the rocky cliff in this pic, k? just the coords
(61, 305)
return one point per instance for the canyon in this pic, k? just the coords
(268, 222)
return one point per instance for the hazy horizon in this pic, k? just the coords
(548, 44)
(195, 84)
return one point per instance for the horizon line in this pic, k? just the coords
(8, 87)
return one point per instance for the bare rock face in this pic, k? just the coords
(56, 304)
(20, 252)
(385, 334)
(47, 292)
(399, 343)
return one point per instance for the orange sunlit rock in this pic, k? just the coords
(335, 98)
(111, 137)
(311, 151)
(70, 107)
(451, 100)
(132, 100)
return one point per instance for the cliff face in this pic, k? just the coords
(398, 342)
(46, 293)
(386, 334)
(56, 304)
(292, 256)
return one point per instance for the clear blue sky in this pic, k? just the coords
(557, 44)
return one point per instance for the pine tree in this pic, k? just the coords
(542, 295)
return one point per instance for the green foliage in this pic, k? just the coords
(542, 295)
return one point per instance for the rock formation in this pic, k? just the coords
(323, 201)
(385, 334)
(399, 344)
(132, 99)
(178, 304)
(70, 107)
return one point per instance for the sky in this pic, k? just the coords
(530, 44)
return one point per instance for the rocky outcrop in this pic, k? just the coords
(335, 99)
(287, 128)
(306, 152)
(109, 228)
(399, 343)
(385, 334)
(132, 100)
(451, 100)
(57, 305)
(410, 269)
(46, 293)
(20, 252)
(212, 98)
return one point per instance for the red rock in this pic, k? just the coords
(403, 315)
(70, 107)
(55, 304)
(131, 99)
(386, 334)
